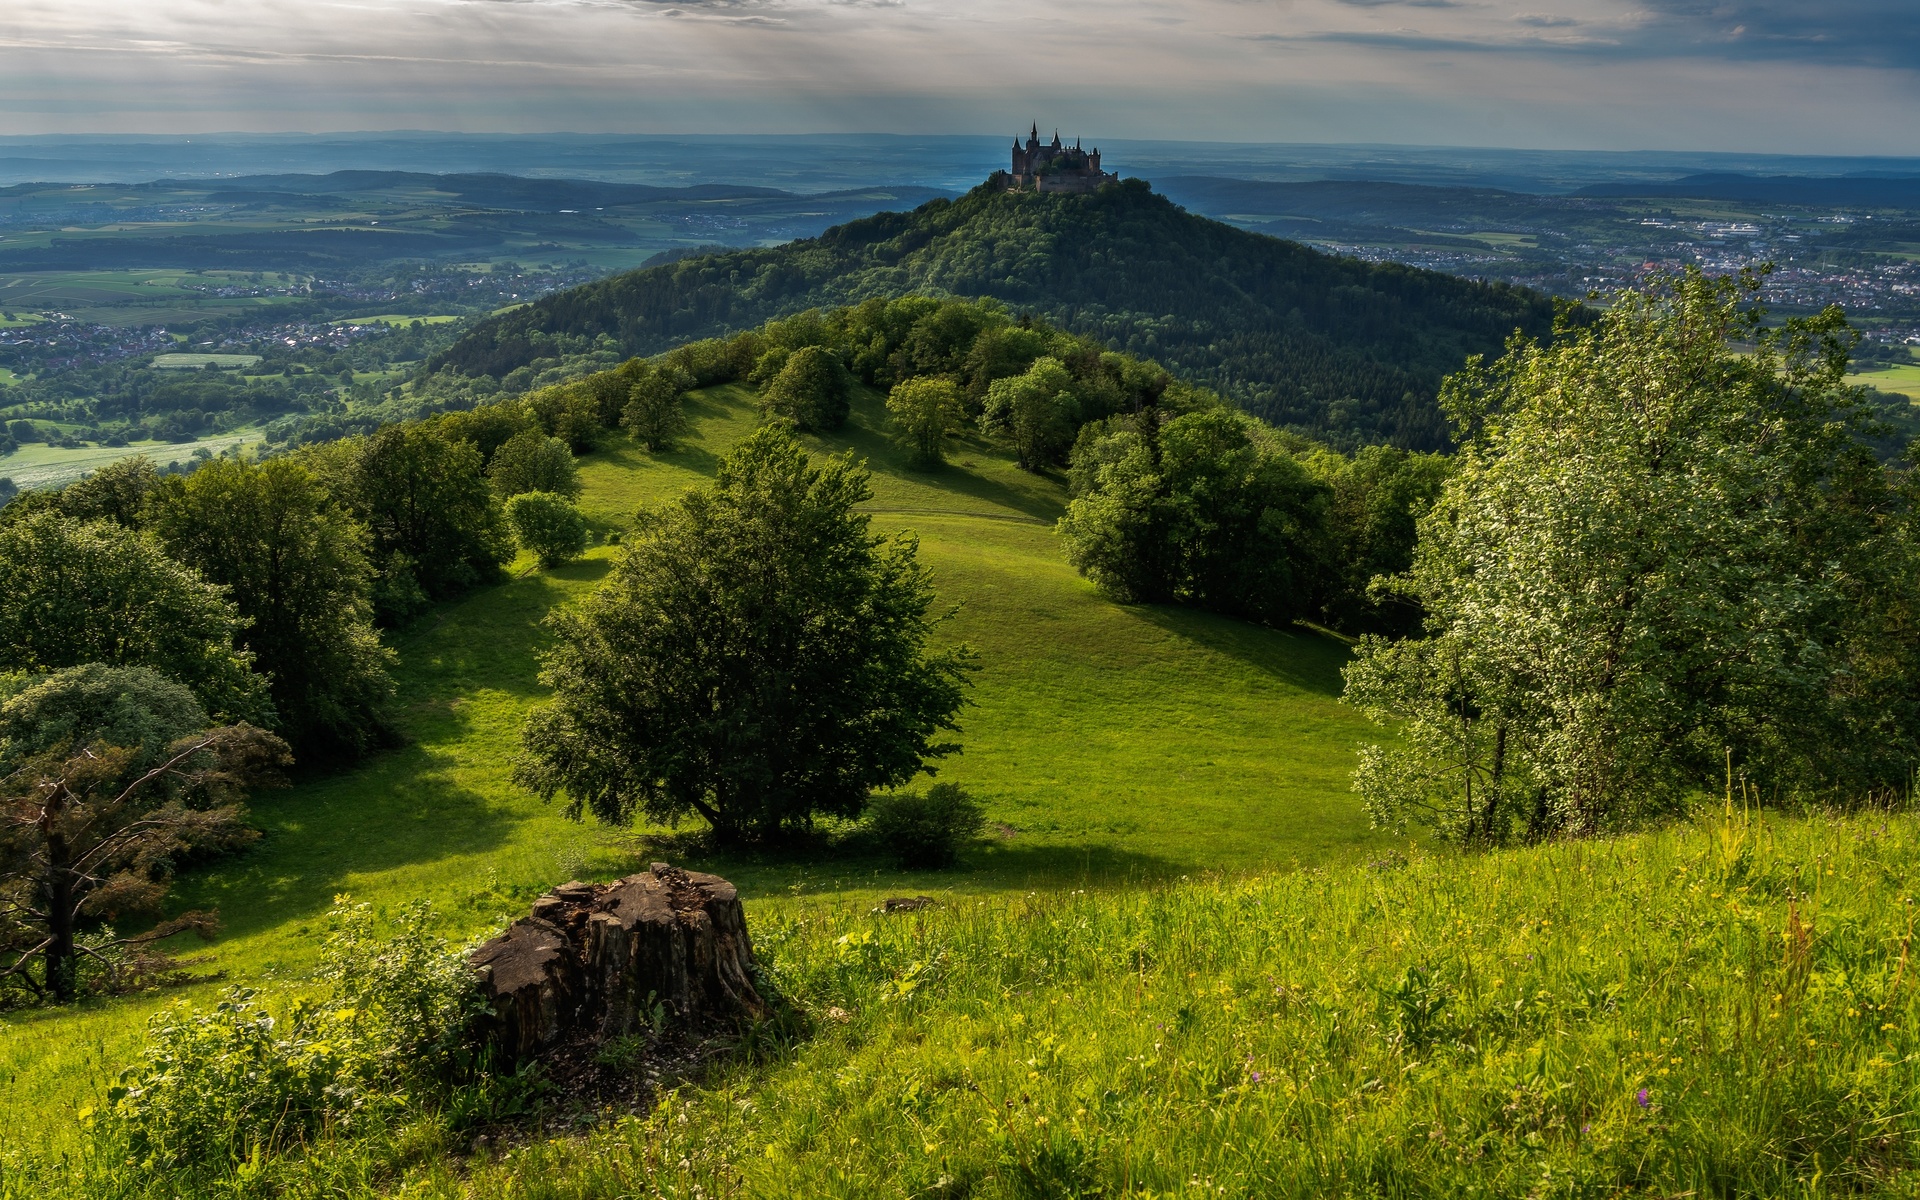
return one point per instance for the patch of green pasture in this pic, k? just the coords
(1901, 379)
(37, 465)
(200, 362)
(1614, 1017)
(400, 319)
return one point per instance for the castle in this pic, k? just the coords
(1054, 167)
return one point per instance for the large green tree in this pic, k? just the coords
(1202, 509)
(436, 524)
(1037, 412)
(530, 461)
(1656, 553)
(655, 409)
(294, 563)
(756, 657)
(927, 411)
(812, 389)
(74, 592)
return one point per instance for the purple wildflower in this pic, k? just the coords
(1256, 1077)
(1641, 1099)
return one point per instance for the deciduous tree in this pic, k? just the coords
(294, 563)
(655, 412)
(436, 524)
(1036, 411)
(927, 410)
(1655, 552)
(757, 657)
(530, 461)
(548, 525)
(812, 390)
(74, 592)
(109, 774)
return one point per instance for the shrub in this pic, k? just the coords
(548, 525)
(213, 1087)
(926, 829)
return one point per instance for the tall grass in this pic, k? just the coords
(1719, 1011)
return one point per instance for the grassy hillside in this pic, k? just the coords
(1333, 346)
(1722, 1011)
(1110, 744)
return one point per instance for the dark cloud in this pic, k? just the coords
(1883, 33)
(1861, 33)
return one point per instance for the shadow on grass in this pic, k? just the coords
(1299, 657)
(843, 860)
(865, 434)
(318, 837)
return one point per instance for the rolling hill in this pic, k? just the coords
(1111, 744)
(1347, 350)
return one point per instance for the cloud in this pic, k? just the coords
(1628, 73)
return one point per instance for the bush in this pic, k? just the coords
(548, 525)
(926, 830)
(214, 1086)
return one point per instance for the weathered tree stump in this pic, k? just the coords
(595, 960)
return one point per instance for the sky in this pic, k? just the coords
(1786, 76)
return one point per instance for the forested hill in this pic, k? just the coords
(1341, 348)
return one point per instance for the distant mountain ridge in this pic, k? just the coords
(1341, 348)
(1871, 191)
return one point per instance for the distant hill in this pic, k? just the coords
(1334, 346)
(1869, 191)
(491, 190)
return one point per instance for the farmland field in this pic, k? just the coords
(38, 466)
(1903, 379)
(197, 362)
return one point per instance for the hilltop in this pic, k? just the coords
(1345, 349)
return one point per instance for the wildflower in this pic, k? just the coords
(1641, 1098)
(1255, 1077)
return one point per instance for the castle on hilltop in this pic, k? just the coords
(1054, 167)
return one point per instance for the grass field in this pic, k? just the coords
(1903, 380)
(400, 319)
(1720, 1011)
(200, 362)
(1111, 745)
(38, 465)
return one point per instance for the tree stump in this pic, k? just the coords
(601, 961)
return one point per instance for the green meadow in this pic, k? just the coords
(1903, 379)
(1180, 965)
(200, 362)
(1111, 745)
(400, 319)
(37, 465)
